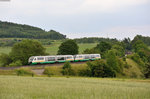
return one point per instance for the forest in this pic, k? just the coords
(13, 30)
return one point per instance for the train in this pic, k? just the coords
(33, 60)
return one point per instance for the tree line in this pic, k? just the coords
(13, 30)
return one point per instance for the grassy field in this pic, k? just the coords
(52, 49)
(13, 87)
(5, 50)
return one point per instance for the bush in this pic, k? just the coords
(147, 71)
(5, 60)
(16, 63)
(22, 72)
(137, 59)
(67, 70)
(98, 68)
(48, 72)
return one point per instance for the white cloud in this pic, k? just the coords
(128, 31)
(63, 7)
(109, 5)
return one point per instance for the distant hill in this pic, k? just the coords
(13, 30)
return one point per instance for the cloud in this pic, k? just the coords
(63, 7)
(109, 5)
(128, 31)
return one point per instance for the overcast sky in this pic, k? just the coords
(82, 18)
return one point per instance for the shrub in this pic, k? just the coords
(48, 72)
(23, 71)
(5, 60)
(147, 71)
(137, 59)
(98, 68)
(16, 63)
(67, 70)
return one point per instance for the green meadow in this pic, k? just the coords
(53, 48)
(14, 87)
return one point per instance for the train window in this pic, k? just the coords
(80, 56)
(92, 56)
(87, 57)
(34, 58)
(40, 58)
(97, 56)
(50, 58)
(60, 58)
(68, 57)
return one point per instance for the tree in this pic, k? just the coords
(137, 45)
(25, 49)
(103, 47)
(5, 59)
(127, 43)
(68, 47)
(119, 50)
(111, 60)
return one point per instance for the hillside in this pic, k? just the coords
(13, 30)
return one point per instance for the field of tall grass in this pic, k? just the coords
(14, 87)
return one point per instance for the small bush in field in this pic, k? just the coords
(67, 70)
(22, 72)
(47, 72)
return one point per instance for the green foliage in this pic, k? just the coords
(67, 69)
(137, 59)
(99, 68)
(103, 46)
(10, 30)
(147, 71)
(23, 71)
(119, 50)
(91, 51)
(5, 59)
(127, 44)
(137, 45)
(16, 63)
(94, 40)
(68, 47)
(112, 61)
(26, 48)
(145, 39)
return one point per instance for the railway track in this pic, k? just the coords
(39, 65)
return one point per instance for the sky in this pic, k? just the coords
(82, 18)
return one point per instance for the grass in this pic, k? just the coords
(5, 50)
(53, 48)
(133, 71)
(13, 87)
(56, 70)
